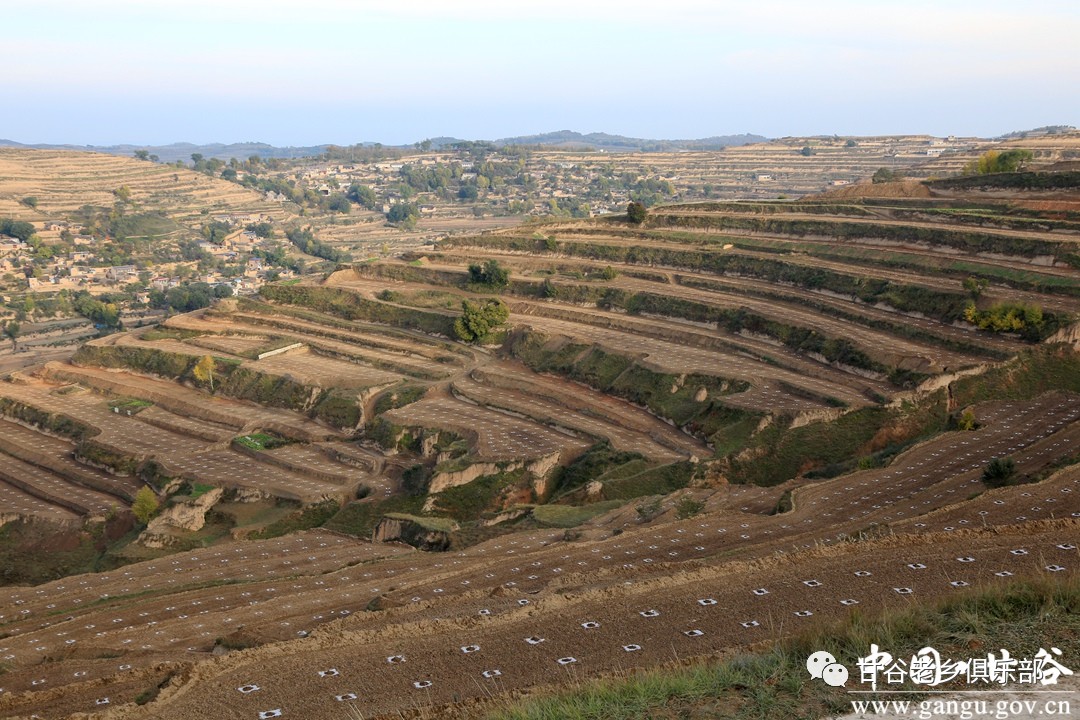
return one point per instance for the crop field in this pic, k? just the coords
(761, 170)
(658, 346)
(531, 456)
(499, 436)
(569, 405)
(404, 356)
(314, 369)
(556, 604)
(301, 363)
(180, 444)
(63, 181)
(183, 400)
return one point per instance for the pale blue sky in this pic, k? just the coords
(298, 72)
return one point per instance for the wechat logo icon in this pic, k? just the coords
(823, 666)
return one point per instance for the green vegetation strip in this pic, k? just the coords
(226, 377)
(568, 516)
(260, 441)
(870, 256)
(965, 240)
(709, 257)
(436, 524)
(1012, 181)
(351, 306)
(1022, 617)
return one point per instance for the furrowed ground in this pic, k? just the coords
(697, 434)
(64, 181)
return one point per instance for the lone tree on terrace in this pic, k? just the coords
(204, 371)
(490, 274)
(11, 331)
(145, 505)
(479, 319)
(636, 212)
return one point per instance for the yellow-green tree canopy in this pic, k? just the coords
(204, 371)
(993, 161)
(145, 505)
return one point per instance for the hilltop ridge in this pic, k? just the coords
(562, 138)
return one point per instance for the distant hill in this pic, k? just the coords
(562, 138)
(604, 141)
(1036, 132)
(184, 150)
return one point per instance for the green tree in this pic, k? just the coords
(262, 229)
(122, 193)
(145, 505)
(338, 202)
(994, 161)
(999, 472)
(362, 195)
(216, 231)
(636, 212)
(967, 421)
(142, 154)
(11, 331)
(203, 371)
(404, 215)
(490, 274)
(479, 319)
(884, 175)
(975, 285)
(30, 201)
(17, 229)
(688, 507)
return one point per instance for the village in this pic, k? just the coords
(165, 238)
(83, 266)
(569, 182)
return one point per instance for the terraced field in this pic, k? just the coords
(63, 181)
(762, 170)
(180, 444)
(499, 436)
(534, 606)
(689, 437)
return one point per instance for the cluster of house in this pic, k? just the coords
(11, 254)
(66, 273)
(554, 181)
(81, 269)
(239, 242)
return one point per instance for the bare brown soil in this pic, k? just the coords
(647, 585)
(902, 189)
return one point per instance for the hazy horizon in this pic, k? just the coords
(106, 72)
